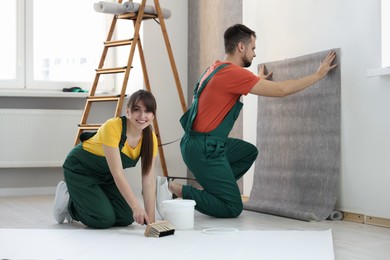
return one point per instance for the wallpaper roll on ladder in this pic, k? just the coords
(114, 8)
(149, 9)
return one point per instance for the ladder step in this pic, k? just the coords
(103, 98)
(111, 70)
(133, 16)
(118, 43)
(89, 126)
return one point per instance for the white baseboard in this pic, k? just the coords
(28, 191)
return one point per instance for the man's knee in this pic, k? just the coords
(254, 151)
(235, 210)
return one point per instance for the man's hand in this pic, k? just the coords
(262, 73)
(326, 65)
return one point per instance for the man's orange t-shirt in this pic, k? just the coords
(220, 94)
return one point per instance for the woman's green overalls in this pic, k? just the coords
(216, 161)
(94, 197)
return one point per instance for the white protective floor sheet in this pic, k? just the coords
(130, 243)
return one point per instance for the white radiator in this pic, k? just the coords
(36, 137)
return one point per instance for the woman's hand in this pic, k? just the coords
(140, 216)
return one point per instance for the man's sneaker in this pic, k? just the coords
(61, 202)
(163, 193)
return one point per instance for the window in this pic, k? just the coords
(50, 44)
(9, 44)
(385, 42)
(385, 10)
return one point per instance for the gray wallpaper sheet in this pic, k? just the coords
(298, 137)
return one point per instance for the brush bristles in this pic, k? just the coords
(159, 229)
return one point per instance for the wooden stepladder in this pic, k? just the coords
(134, 42)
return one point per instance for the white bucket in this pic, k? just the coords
(179, 212)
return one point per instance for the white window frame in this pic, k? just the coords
(385, 27)
(385, 42)
(24, 64)
(19, 82)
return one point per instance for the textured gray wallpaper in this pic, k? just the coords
(298, 137)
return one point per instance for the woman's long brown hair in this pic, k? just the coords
(147, 134)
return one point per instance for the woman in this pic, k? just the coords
(95, 191)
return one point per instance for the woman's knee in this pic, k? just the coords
(124, 222)
(101, 222)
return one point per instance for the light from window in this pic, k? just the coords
(67, 43)
(8, 44)
(385, 10)
(47, 46)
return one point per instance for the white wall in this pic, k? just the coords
(287, 29)
(162, 81)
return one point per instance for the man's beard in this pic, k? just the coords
(247, 63)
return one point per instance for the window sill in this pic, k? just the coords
(40, 93)
(378, 72)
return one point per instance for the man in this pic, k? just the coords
(215, 160)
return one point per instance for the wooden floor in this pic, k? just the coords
(351, 240)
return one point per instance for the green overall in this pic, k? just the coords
(216, 161)
(94, 197)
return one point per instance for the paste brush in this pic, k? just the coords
(159, 229)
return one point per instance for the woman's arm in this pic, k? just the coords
(149, 192)
(115, 164)
(265, 87)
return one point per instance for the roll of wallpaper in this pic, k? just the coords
(150, 9)
(130, 6)
(114, 8)
(336, 215)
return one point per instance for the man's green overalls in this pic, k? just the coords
(216, 161)
(94, 197)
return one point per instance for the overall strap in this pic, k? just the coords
(188, 118)
(124, 128)
(197, 83)
(198, 90)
